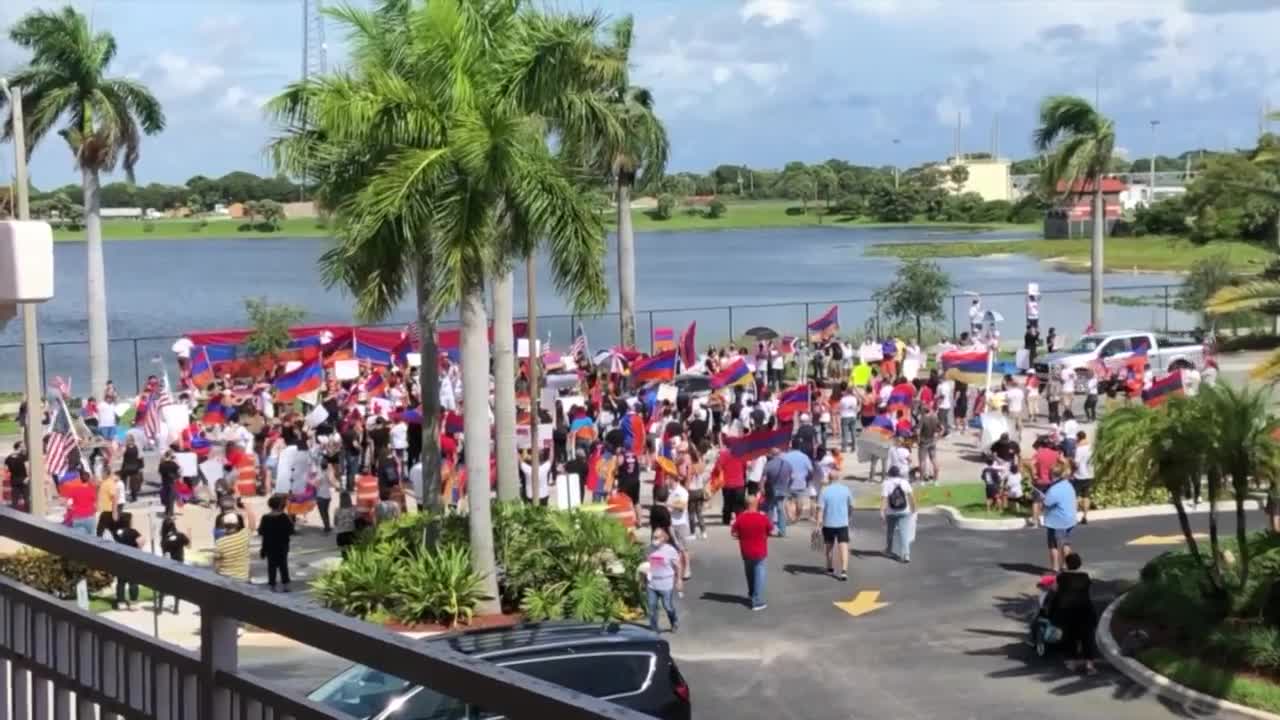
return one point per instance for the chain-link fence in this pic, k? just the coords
(1137, 307)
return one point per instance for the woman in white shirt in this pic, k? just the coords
(400, 440)
(544, 480)
(897, 509)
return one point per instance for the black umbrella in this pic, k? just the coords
(762, 333)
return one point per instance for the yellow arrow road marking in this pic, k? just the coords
(864, 602)
(1164, 539)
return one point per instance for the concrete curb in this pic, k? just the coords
(959, 520)
(1190, 700)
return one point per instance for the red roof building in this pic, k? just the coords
(1072, 214)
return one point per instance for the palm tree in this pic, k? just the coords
(431, 145)
(1080, 142)
(105, 119)
(1139, 447)
(636, 160)
(1257, 295)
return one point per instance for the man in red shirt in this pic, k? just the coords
(752, 528)
(1046, 457)
(82, 503)
(733, 484)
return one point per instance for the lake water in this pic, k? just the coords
(159, 289)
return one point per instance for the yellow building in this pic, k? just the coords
(988, 177)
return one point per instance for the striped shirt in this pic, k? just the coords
(231, 555)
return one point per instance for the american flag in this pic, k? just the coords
(59, 448)
(580, 347)
(153, 414)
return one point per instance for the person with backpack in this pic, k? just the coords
(897, 509)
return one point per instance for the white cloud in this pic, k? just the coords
(780, 12)
(179, 76)
(721, 74)
(949, 107)
(238, 101)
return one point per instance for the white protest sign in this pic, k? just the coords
(346, 369)
(284, 470)
(545, 438)
(910, 368)
(522, 347)
(292, 365)
(316, 417)
(176, 417)
(381, 407)
(188, 464)
(548, 399)
(311, 398)
(568, 492)
(568, 401)
(414, 359)
(993, 426)
(561, 380)
(667, 391)
(212, 470)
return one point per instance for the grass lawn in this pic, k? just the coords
(773, 213)
(1152, 253)
(170, 229)
(1251, 690)
(969, 498)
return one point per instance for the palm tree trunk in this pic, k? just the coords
(1215, 547)
(626, 265)
(1241, 487)
(504, 388)
(96, 281)
(1096, 257)
(1193, 547)
(428, 387)
(475, 401)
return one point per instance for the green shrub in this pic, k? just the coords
(716, 209)
(148, 226)
(795, 210)
(437, 585)
(360, 585)
(666, 207)
(52, 574)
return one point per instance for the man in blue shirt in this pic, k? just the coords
(1059, 520)
(834, 508)
(777, 480)
(801, 475)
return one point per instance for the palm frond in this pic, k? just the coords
(1268, 370)
(1250, 296)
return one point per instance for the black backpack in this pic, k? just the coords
(897, 499)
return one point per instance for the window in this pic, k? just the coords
(427, 704)
(602, 675)
(1115, 346)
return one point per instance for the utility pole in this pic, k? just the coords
(896, 142)
(1151, 198)
(34, 441)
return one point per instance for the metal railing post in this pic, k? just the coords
(218, 653)
(953, 316)
(1166, 308)
(137, 371)
(651, 347)
(730, 323)
(806, 318)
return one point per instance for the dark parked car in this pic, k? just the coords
(625, 664)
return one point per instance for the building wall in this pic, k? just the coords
(988, 178)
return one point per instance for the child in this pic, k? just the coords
(994, 482)
(1013, 483)
(173, 543)
(344, 522)
(664, 562)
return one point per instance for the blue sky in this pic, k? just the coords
(761, 81)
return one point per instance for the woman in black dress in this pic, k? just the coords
(628, 481)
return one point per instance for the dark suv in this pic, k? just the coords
(625, 664)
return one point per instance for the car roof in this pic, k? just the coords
(493, 642)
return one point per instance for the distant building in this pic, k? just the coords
(304, 209)
(1072, 216)
(235, 210)
(132, 213)
(1137, 196)
(989, 177)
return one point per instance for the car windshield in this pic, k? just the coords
(365, 693)
(1088, 343)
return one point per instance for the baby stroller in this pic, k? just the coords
(1042, 632)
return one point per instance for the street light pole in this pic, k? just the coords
(1151, 200)
(37, 481)
(895, 163)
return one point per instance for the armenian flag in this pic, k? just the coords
(901, 397)
(688, 350)
(201, 368)
(664, 339)
(453, 423)
(793, 400)
(375, 385)
(655, 368)
(753, 445)
(967, 366)
(1164, 388)
(215, 413)
(826, 324)
(735, 373)
(308, 377)
(787, 345)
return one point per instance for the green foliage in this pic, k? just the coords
(148, 226)
(716, 209)
(52, 574)
(1164, 217)
(1206, 278)
(665, 208)
(1079, 141)
(1234, 197)
(917, 292)
(552, 565)
(270, 325)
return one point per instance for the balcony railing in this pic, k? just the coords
(57, 661)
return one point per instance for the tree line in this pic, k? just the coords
(199, 194)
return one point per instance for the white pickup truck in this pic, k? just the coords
(1164, 354)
